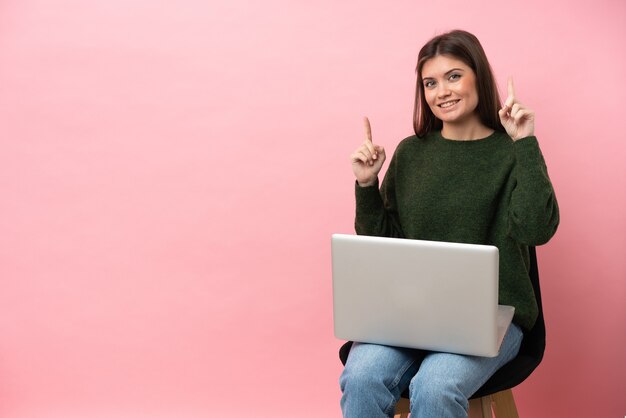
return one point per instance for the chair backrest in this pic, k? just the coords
(535, 339)
(529, 356)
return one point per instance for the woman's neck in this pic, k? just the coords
(467, 131)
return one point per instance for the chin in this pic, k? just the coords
(448, 118)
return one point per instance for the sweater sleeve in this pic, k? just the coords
(533, 212)
(376, 211)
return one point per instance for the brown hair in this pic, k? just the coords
(464, 46)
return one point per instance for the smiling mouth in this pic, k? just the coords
(448, 104)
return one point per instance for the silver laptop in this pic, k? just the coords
(437, 296)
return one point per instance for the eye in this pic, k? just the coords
(429, 84)
(454, 77)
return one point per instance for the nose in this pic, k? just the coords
(443, 90)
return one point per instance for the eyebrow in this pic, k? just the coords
(446, 73)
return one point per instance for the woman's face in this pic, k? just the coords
(450, 89)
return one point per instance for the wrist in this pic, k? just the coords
(369, 183)
(522, 137)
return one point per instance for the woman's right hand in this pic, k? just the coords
(368, 159)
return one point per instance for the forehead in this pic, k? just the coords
(439, 65)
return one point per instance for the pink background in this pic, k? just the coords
(171, 174)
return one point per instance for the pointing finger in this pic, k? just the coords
(369, 146)
(368, 129)
(511, 88)
(510, 100)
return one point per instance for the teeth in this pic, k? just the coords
(448, 104)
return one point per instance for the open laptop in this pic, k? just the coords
(437, 296)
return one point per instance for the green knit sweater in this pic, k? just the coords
(490, 191)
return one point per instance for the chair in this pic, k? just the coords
(496, 391)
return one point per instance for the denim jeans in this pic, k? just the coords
(439, 383)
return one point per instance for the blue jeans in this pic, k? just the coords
(439, 383)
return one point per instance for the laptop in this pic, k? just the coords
(437, 296)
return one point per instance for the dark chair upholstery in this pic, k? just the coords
(528, 358)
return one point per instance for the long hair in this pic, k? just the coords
(463, 46)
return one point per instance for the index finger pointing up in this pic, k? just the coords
(511, 87)
(510, 100)
(368, 129)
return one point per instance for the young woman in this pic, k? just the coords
(472, 173)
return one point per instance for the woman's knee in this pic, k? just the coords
(436, 392)
(372, 380)
(371, 367)
(359, 377)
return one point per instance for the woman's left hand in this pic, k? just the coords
(518, 120)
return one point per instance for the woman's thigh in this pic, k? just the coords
(467, 373)
(392, 366)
